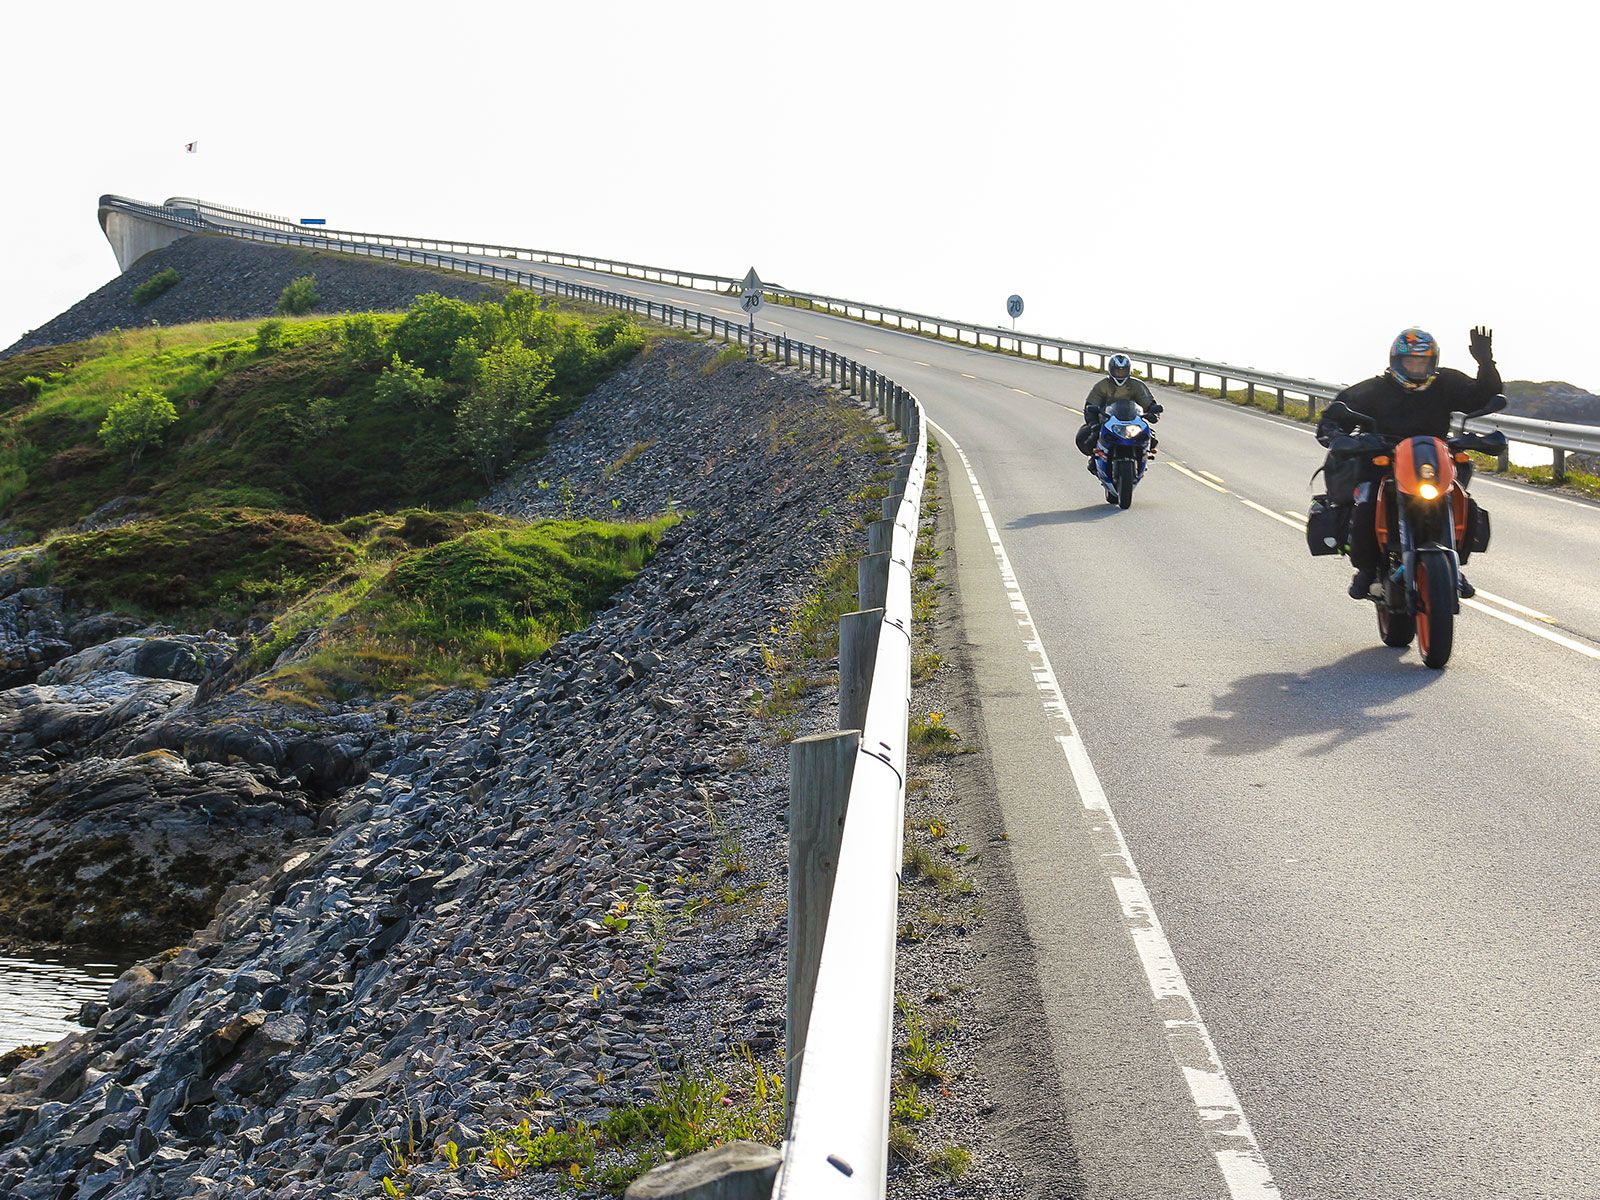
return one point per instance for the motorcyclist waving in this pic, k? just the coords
(1119, 384)
(1413, 398)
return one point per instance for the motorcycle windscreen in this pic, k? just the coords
(1124, 409)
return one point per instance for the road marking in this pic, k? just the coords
(1539, 630)
(1298, 526)
(1300, 518)
(1222, 1121)
(822, 337)
(870, 350)
(727, 312)
(1531, 491)
(1023, 392)
(1515, 607)
(1200, 479)
(919, 362)
(1213, 478)
(964, 375)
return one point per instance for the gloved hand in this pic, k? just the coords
(1155, 410)
(1482, 345)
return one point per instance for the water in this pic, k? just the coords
(40, 995)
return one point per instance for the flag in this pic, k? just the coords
(189, 146)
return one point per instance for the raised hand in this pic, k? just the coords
(1482, 345)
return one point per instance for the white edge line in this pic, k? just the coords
(1530, 491)
(1213, 478)
(1222, 1120)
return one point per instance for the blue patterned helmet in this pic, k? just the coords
(1414, 359)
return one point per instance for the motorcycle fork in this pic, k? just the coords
(1409, 549)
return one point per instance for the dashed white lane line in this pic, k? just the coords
(919, 362)
(1299, 517)
(1213, 478)
(964, 375)
(1299, 523)
(726, 312)
(1023, 392)
(870, 350)
(1200, 479)
(822, 337)
(1222, 1121)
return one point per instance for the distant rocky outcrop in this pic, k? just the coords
(221, 278)
(1553, 401)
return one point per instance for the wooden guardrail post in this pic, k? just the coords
(880, 536)
(858, 651)
(872, 580)
(820, 771)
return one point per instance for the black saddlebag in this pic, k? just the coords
(1327, 526)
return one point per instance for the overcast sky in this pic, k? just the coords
(1228, 180)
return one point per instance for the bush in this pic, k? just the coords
(160, 282)
(269, 337)
(363, 340)
(427, 335)
(300, 297)
(137, 421)
(32, 385)
(493, 422)
(402, 385)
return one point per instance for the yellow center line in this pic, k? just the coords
(1267, 512)
(1213, 478)
(1515, 607)
(1200, 479)
(1300, 517)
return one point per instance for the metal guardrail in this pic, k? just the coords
(837, 1144)
(1560, 438)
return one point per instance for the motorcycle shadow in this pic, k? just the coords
(1098, 511)
(1334, 704)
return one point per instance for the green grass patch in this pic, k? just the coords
(208, 565)
(693, 1111)
(461, 612)
(1576, 481)
(161, 281)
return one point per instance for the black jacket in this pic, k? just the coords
(1400, 413)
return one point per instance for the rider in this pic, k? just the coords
(1413, 398)
(1119, 384)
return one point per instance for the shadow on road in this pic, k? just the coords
(1334, 704)
(1065, 516)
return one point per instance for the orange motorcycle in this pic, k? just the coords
(1427, 524)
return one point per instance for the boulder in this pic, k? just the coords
(33, 634)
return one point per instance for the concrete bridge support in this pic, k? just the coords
(132, 237)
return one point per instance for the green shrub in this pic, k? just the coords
(300, 297)
(363, 340)
(402, 385)
(427, 335)
(136, 421)
(269, 337)
(33, 386)
(495, 418)
(160, 282)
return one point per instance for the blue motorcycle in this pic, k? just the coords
(1124, 448)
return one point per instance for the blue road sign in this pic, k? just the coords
(313, 220)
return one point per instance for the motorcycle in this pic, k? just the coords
(1427, 525)
(1124, 448)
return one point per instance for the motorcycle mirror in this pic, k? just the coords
(1494, 406)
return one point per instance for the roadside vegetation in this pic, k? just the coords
(295, 478)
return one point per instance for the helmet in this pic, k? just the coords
(1119, 368)
(1414, 359)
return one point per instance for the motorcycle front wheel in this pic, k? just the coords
(1436, 609)
(1125, 478)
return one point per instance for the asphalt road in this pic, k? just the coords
(1376, 883)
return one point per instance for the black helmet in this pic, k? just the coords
(1119, 369)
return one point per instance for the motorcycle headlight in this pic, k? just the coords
(1130, 431)
(1428, 492)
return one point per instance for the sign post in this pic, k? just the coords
(750, 300)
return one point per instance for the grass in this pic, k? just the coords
(931, 735)
(1576, 481)
(952, 1162)
(626, 457)
(458, 613)
(728, 354)
(161, 281)
(693, 1111)
(925, 665)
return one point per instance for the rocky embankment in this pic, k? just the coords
(441, 958)
(222, 278)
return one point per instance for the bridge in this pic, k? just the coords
(1308, 919)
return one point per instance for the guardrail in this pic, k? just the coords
(837, 1145)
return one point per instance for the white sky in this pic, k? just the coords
(1278, 185)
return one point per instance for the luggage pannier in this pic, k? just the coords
(1327, 526)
